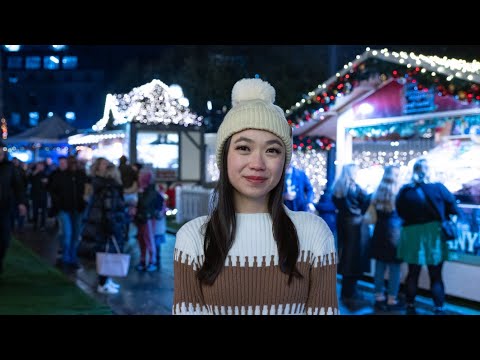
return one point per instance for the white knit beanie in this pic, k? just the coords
(253, 108)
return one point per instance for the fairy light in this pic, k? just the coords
(314, 163)
(452, 68)
(4, 128)
(151, 104)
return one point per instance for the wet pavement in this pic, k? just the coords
(151, 293)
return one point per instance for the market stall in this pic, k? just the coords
(392, 108)
(150, 125)
(48, 139)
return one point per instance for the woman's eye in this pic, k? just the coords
(242, 148)
(274, 150)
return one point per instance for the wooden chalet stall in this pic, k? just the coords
(393, 108)
(150, 126)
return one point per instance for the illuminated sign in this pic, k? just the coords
(417, 101)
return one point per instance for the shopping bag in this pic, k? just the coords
(112, 264)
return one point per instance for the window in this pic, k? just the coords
(13, 79)
(12, 48)
(70, 116)
(33, 118)
(33, 62)
(51, 62)
(69, 62)
(59, 47)
(14, 62)
(15, 119)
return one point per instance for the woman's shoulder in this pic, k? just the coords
(313, 231)
(189, 237)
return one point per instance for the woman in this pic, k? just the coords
(351, 202)
(145, 221)
(252, 255)
(105, 215)
(385, 240)
(420, 204)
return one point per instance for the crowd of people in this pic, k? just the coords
(93, 206)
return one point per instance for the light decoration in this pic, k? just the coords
(149, 104)
(4, 128)
(305, 143)
(372, 157)
(82, 139)
(213, 173)
(450, 76)
(314, 163)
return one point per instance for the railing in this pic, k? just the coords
(191, 202)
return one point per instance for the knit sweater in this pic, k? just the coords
(251, 281)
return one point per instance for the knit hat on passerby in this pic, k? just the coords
(253, 108)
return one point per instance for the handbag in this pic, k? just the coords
(112, 264)
(449, 230)
(448, 227)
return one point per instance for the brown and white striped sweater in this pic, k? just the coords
(251, 281)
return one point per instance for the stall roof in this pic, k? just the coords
(152, 104)
(323, 123)
(53, 130)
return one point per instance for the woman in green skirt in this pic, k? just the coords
(419, 204)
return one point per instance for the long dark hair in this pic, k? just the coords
(221, 226)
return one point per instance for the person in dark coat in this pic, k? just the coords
(327, 210)
(353, 238)
(420, 203)
(18, 220)
(298, 191)
(67, 188)
(105, 216)
(12, 191)
(385, 240)
(38, 193)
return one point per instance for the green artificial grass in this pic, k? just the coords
(30, 286)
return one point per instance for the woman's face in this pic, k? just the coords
(102, 167)
(255, 163)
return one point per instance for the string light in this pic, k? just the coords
(149, 104)
(4, 128)
(314, 163)
(450, 76)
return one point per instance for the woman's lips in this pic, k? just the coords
(256, 179)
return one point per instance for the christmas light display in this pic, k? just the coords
(447, 76)
(314, 163)
(4, 128)
(151, 104)
(312, 143)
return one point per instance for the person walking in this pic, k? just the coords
(105, 216)
(12, 193)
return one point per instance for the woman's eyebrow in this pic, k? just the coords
(243, 139)
(274, 141)
(269, 142)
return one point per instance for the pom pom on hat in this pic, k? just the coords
(253, 108)
(252, 89)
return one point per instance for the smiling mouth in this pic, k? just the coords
(255, 179)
